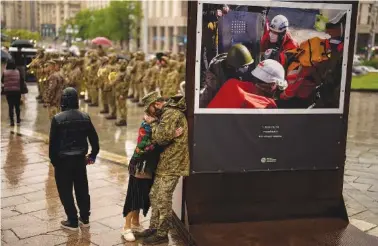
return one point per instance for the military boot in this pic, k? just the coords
(121, 123)
(111, 117)
(140, 104)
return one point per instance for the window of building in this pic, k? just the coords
(170, 37)
(162, 37)
(154, 38)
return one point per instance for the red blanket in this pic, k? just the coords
(239, 94)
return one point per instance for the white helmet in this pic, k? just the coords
(279, 24)
(271, 71)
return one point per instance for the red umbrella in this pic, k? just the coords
(102, 41)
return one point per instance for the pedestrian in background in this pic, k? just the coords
(68, 149)
(13, 85)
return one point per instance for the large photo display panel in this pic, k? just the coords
(270, 86)
(271, 57)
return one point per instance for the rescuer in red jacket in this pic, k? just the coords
(268, 82)
(278, 37)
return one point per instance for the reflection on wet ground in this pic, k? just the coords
(31, 209)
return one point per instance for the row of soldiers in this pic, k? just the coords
(109, 79)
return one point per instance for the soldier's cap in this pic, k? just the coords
(54, 62)
(149, 99)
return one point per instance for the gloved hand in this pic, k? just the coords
(90, 160)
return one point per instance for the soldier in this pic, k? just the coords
(54, 89)
(131, 68)
(102, 75)
(182, 70)
(139, 70)
(34, 69)
(75, 74)
(120, 85)
(172, 82)
(109, 92)
(162, 76)
(168, 125)
(150, 79)
(237, 63)
(92, 80)
(140, 85)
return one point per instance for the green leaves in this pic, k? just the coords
(119, 21)
(22, 34)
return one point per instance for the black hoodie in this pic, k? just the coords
(70, 130)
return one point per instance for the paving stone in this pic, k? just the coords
(12, 201)
(36, 228)
(41, 240)
(19, 220)
(9, 212)
(367, 216)
(8, 236)
(16, 191)
(349, 178)
(362, 225)
(373, 232)
(105, 212)
(362, 187)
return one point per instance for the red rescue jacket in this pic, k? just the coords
(288, 42)
(239, 94)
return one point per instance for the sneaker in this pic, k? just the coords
(128, 235)
(155, 239)
(146, 233)
(84, 223)
(73, 226)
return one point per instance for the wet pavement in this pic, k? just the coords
(31, 209)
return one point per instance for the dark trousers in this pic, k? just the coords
(72, 173)
(14, 102)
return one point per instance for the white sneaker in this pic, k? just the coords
(128, 235)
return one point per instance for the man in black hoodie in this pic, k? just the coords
(68, 150)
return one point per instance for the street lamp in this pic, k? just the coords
(71, 31)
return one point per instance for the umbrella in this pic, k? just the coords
(22, 43)
(102, 41)
(5, 56)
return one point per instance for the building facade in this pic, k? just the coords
(166, 25)
(96, 4)
(43, 15)
(364, 24)
(19, 15)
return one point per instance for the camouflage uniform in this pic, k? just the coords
(174, 160)
(164, 70)
(131, 68)
(109, 92)
(75, 75)
(172, 82)
(34, 69)
(137, 80)
(54, 92)
(92, 81)
(102, 75)
(150, 79)
(119, 86)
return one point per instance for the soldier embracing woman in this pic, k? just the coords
(142, 167)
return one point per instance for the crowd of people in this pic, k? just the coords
(111, 76)
(161, 156)
(285, 73)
